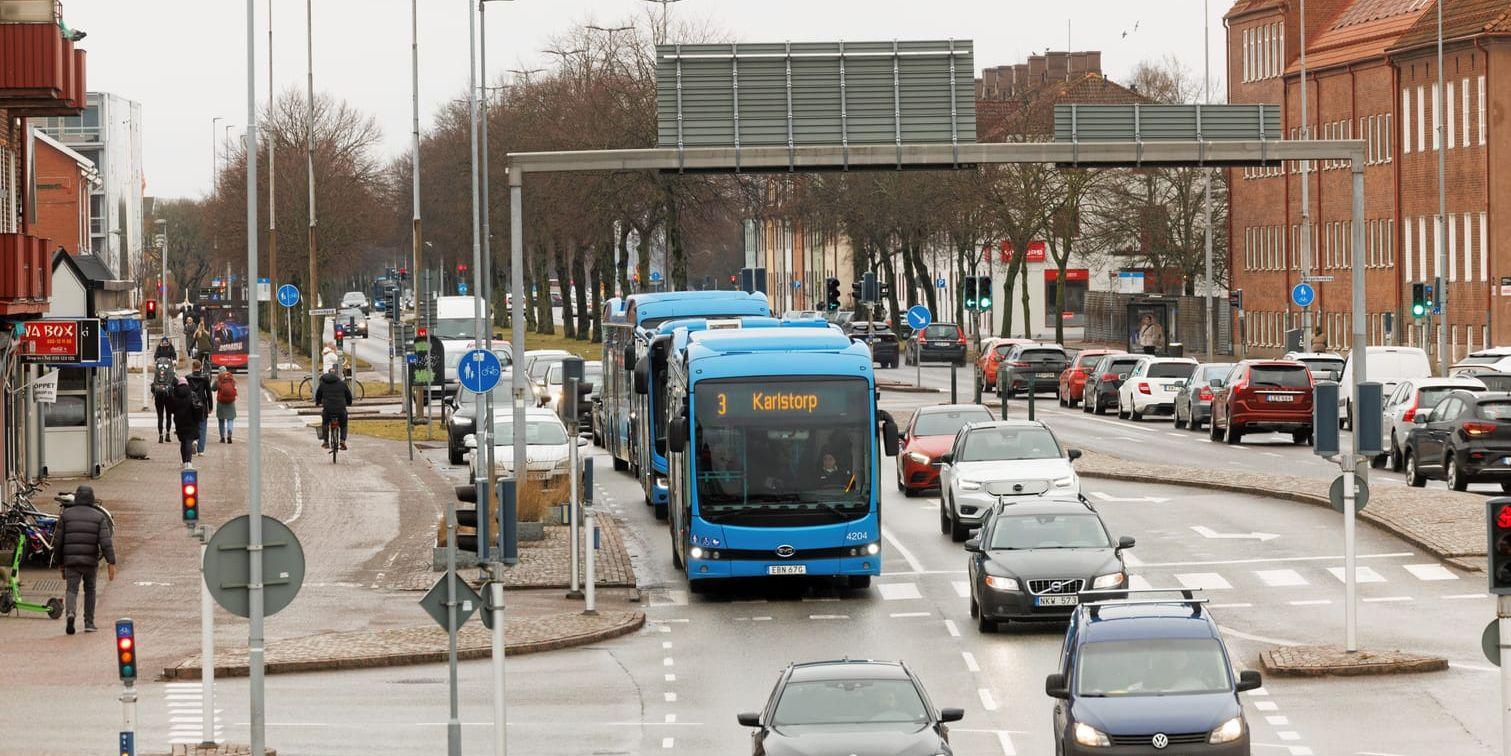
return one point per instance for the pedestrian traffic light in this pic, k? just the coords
(125, 650)
(189, 495)
(151, 308)
(831, 294)
(340, 336)
(969, 288)
(984, 293)
(403, 274)
(1419, 300)
(855, 291)
(1498, 515)
(883, 290)
(461, 267)
(1432, 304)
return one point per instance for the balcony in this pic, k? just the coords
(25, 275)
(41, 74)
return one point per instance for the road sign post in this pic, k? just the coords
(571, 373)
(479, 371)
(919, 318)
(590, 606)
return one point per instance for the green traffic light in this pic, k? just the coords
(1418, 310)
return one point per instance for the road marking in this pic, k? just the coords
(1280, 578)
(970, 661)
(1206, 532)
(828, 616)
(1139, 583)
(1104, 496)
(667, 742)
(907, 556)
(1279, 720)
(962, 588)
(1272, 454)
(1006, 741)
(1206, 581)
(1361, 575)
(1261, 692)
(820, 599)
(1474, 667)
(906, 615)
(1130, 560)
(1311, 602)
(668, 662)
(1266, 560)
(671, 719)
(1177, 435)
(671, 677)
(1230, 606)
(760, 619)
(1385, 599)
(1461, 596)
(1288, 735)
(898, 591)
(949, 627)
(670, 697)
(987, 702)
(1265, 705)
(1430, 572)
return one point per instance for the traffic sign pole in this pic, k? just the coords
(919, 318)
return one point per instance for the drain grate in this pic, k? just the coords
(51, 586)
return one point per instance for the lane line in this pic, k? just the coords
(1432, 571)
(907, 556)
(970, 661)
(1311, 602)
(1006, 741)
(987, 702)
(1276, 560)
(1361, 575)
(1280, 578)
(828, 616)
(1384, 599)
(905, 615)
(898, 591)
(949, 627)
(1461, 596)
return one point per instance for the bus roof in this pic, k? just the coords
(745, 341)
(662, 306)
(743, 321)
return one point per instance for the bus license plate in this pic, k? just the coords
(787, 569)
(1057, 600)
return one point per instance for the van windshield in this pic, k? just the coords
(454, 328)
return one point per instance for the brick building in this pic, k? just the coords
(1371, 74)
(64, 181)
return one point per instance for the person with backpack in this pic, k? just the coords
(225, 404)
(185, 418)
(163, 380)
(199, 381)
(165, 351)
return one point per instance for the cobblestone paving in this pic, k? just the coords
(544, 564)
(219, 749)
(1314, 661)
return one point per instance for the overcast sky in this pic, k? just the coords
(184, 60)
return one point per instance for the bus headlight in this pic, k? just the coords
(870, 549)
(696, 552)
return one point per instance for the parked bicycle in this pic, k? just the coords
(359, 392)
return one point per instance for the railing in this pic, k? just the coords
(40, 72)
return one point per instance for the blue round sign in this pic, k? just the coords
(288, 295)
(655, 276)
(1303, 295)
(919, 317)
(461, 288)
(479, 370)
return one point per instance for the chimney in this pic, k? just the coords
(1094, 61)
(1020, 78)
(1058, 65)
(980, 90)
(1037, 66)
(1077, 64)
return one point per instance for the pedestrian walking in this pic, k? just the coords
(163, 381)
(225, 404)
(186, 419)
(202, 345)
(199, 380)
(85, 533)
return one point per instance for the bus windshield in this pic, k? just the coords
(782, 452)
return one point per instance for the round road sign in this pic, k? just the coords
(1335, 493)
(226, 567)
(919, 317)
(288, 295)
(1303, 295)
(479, 371)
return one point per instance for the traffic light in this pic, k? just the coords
(855, 291)
(151, 308)
(1498, 517)
(1432, 303)
(125, 650)
(869, 291)
(189, 495)
(883, 291)
(461, 267)
(970, 293)
(984, 293)
(467, 518)
(403, 274)
(340, 336)
(831, 294)
(1419, 305)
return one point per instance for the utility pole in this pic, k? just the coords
(1306, 192)
(314, 292)
(254, 418)
(1439, 291)
(414, 73)
(272, 205)
(215, 155)
(1206, 80)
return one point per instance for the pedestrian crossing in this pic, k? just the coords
(274, 417)
(185, 703)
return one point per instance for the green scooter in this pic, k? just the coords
(10, 592)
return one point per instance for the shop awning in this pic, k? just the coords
(130, 330)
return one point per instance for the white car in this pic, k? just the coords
(1492, 360)
(991, 463)
(1413, 397)
(1324, 366)
(547, 447)
(1388, 366)
(1151, 386)
(355, 299)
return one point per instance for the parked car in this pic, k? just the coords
(1494, 359)
(537, 363)
(592, 372)
(1388, 366)
(1495, 381)
(1414, 397)
(1032, 369)
(929, 434)
(1465, 439)
(1103, 381)
(1151, 385)
(940, 342)
(1142, 675)
(1003, 458)
(1193, 398)
(879, 337)
(1325, 366)
(1264, 396)
(1032, 559)
(1073, 378)
(993, 351)
(849, 706)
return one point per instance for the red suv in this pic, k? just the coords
(1073, 379)
(930, 434)
(1263, 396)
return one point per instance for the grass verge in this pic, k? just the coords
(393, 428)
(286, 389)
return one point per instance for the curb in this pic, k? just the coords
(635, 622)
(1334, 662)
(904, 388)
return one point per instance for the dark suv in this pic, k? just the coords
(1032, 369)
(1143, 676)
(879, 337)
(849, 706)
(940, 342)
(1466, 439)
(1104, 380)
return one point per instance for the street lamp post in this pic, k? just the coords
(272, 206)
(1206, 79)
(1440, 292)
(254, 456)
(309, 160)
(215, 155)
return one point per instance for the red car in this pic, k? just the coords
(931, 433)
(992, 352)
(1264, 396)
(1073, 379)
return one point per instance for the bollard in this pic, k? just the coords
(954, 393)
(1033, 389)
(1002, 395)
(508, 526)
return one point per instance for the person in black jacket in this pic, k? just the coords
(185, 419)
(333, 396)
(165, 350)
(85, 532)
(199, 380)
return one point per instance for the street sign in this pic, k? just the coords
(323, 311)
(1335, 494)
(461, 288)
(1318, 279)
(656, 276)
(1303, 295)
(795, 284)
(919, 317)
(467, 602)
(264, 289)
(939, 283)
(479, 371)
(411, 358)
(226, 567)
(428, 366)
(61, 341)
(1490, 642)
(288, 295)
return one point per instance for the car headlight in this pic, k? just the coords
(1087, 735)
(1002, 583)
(1104, 582)
(561, 464)
(921, 459)
(970, 485)
(1228, 731)
(1065, 482)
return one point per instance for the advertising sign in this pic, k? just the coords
(229, 331)
(1005, 252)
(45, 389)
(61, 341)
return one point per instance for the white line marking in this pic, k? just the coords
(1460, 596)
(668, 662)
(1265, 705)
(898, 591)
(828, 616)
(671, 718)
(1311, 602)
(1006, 741)
(1132, 561)
(906, 615)
(987, 702)
(949, 627)
(907, 556)
(1383, 599)
(1217, 562)
(1177, 435)
(1207, 581)
(1474, 667)
(671, 677)
(1300, 751)
(1430, 572)
(667, 742)
(1361, 575)
(970, 661)
(1260, 692)
(1280, 578)
(670, 697)
(760, 619)
(1289, 735)
(1272, 454)
(1139, 583)
(1230, 606)
(1278, 720)
(1257, 639)
(666, 644)
(962, 589)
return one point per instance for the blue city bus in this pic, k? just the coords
(774, 455)
(629, 324)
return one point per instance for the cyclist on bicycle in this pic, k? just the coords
(333, 396)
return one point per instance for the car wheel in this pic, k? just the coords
(1099, 409)
(1395, 453)
(975, 608)
(1233, 434)
(454, 456)
(1302, 438)
(1413, 476)
(1454, 474)
(1179, 423)
(1134, 414)
(959, 531)
(1377, 461)
(1086, 402)
(944, 517)
(1195, 423)
(985, 625)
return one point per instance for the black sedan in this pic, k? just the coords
(1032, 369)
(879, 337)
(1032, 560)
(848, 707)
(1465, 439)
(940, 342)
(1105, 379)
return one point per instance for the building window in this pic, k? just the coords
(1482, 108)
(1405, 121)
(1464, 87)
(1421, 118)
(1484, 249)
(1385, 133)
(1410, 259)
(1453, 246)
(1437, 103)
(1422, 245)
(1452, 126)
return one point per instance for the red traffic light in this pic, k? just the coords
(151, 308)
(125, 649)
(422, 333)
(461, 267)
(189, 495)
(1503, 516)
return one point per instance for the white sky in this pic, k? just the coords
(184, 60)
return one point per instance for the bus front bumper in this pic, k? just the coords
(698, 569)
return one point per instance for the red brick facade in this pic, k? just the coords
(1369, 78)
(62, 198)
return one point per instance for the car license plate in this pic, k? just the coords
(1057, 600)
(1506, 460)
(787, 569)
(1048, 375)
(1280, 398)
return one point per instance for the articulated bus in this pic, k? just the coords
(775, 455)
(628, 326)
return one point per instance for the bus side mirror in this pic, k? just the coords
(889, 434)
(642, 378)
(676, 434)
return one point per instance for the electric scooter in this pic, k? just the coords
(10, 592)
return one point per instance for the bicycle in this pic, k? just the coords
(333, 437)
(359, 392)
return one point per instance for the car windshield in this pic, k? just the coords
(1431, 396)
(941, 331)
(1495, 410)
(1279, 376)
(1495, 382)
(1171, 370)
(1482, 359)
(1049, 531)
(987, 444)
(1041, 355)
(1087, 360)
(537, 432)
(828, 702)
(1326, 368)
(454, 328)
(543, 363)
(1152, 667)
(1215, 370)
(947, 423)
(351, 313)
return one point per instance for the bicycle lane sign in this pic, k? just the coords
(479, 371)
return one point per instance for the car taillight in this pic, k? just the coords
(1411, 412)
(1205, 394)
(960, 336)
(1018, 364)
(1478, 429)
(1143, 388)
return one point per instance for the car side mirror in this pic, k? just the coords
(582, 441)
(1055, 687)
(951, 715)
(642, 378)
(1125, 542)
(889, 434)
(1419, 419)
(1216, 383)
(1073, 454)
(470, 441)
(749, 719)
(1249, 679)
(947, 458)
(676, 434)
(629, 357)
(973, 545)
(1122, 376)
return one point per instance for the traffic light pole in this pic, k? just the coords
(1503, 615)
(206, 642)
(574, 530)
(128, 720)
